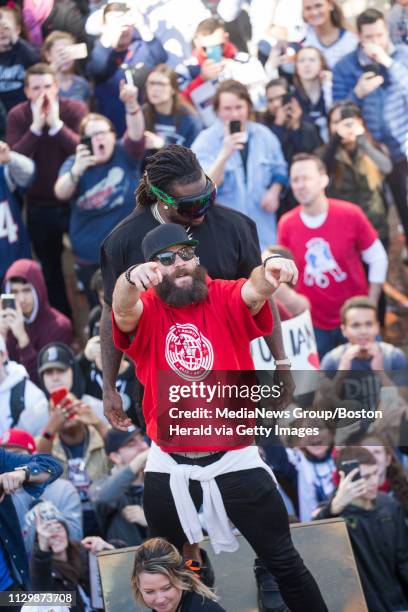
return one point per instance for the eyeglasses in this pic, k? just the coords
(101, 133)
(191, 207)
(169, 257)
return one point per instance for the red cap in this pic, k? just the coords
(18, 437)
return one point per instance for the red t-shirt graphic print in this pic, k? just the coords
(329, 258)
(188, 352)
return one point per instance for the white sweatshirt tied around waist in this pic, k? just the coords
(219, 530)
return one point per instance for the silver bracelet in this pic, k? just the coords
(286, 362)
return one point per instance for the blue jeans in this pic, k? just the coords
(328, 339)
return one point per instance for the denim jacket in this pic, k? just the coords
(242, 191)
(385, 109)
(11, 538)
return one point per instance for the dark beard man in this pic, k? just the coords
(175, 296)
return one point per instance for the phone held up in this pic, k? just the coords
(374, 68)
(78, 51)
(8, 301)
(58, 395)
(87, 141)
(234, 127)
(349, 466)
(287, 98)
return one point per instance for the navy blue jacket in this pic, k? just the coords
(13, 65)
(385, 110)
(10, 533)
(14, 241)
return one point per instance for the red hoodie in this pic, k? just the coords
(230, 52)
(47, 324)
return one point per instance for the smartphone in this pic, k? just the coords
(8, 301)
(287, 98)
(87, 141)
(128, 74)
(214, 52)
(234, 127)
(58, 394)
(375, 68)
(77, 52)
(349, 466)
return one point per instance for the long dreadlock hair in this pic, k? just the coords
(171, 164)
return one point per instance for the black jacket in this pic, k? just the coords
(379, 538)
(303, 140)
(193, 602)
(46, 575)
(109, 495)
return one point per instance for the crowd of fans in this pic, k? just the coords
(301, 121)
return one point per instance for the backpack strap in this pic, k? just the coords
(17, 401)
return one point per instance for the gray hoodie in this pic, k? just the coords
(65, 498)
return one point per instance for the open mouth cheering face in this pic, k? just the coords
(103, 139)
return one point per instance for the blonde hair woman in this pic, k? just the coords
(162, 582)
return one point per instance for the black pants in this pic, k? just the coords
(47, 227)
(397, 181)
(255, 506)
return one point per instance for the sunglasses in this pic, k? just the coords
(191, 207)
(169, 257)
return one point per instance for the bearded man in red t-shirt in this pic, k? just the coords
(171, 318)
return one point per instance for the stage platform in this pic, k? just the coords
(324, 545)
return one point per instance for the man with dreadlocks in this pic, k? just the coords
(179, 325)
(174, 189)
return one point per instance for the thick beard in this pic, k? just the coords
(175, 296)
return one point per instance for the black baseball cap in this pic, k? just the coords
(55, 355)
(163, 237)
(115, 439)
